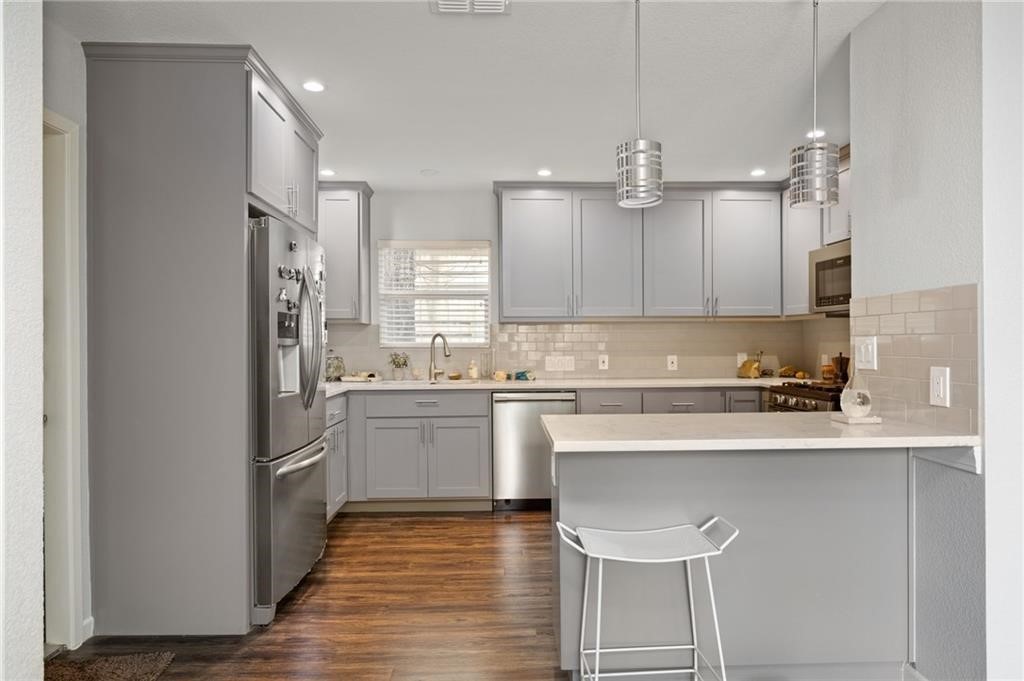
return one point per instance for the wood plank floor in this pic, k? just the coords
(461, 597)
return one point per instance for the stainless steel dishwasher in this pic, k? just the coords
(522, 453)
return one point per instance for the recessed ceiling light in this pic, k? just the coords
(430, 172)
(544, 172)
(815, 134)
(327, 172)
(758, 172)
(313, 86)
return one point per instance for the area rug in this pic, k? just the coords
(137, 667)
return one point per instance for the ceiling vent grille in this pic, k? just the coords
(470, 6)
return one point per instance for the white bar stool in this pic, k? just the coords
(679, 544)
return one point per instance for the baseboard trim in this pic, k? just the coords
(418, 506)
(88, 627)
(910, 673)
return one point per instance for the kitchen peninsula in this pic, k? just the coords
(819, 583)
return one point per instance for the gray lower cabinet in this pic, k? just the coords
(459, 457)
(536, 252)
(747, 254)
(396, 458)
(745, 400)
(610, 402)
(416, 458)
(609, 259)
(677, 253)
(337, 468)
(693, 401)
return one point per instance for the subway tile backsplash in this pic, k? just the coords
(918, 330)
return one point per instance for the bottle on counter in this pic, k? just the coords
(473, 371)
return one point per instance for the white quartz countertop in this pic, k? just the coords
(338, 388)
(761, 431)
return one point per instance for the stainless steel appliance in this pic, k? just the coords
(289, 531)
(522, 453)
(795, 396)
(829, 277)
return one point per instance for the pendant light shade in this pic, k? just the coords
(638, 181)
(814, 166)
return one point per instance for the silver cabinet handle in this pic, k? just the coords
(333, 414)
(430, 430)
(296, 206)
(684, 404)
(716, 306)
(611, 404)
(579, 306)
(426, 403)
(568, 304)
(707, 306)
(285, 471)
(422, 437)
(355, 308)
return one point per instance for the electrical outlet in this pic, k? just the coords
(602, 362)
(865, 352)
(741, 357)
(559, 363)
(551, 363)
(939, 390)
(672, 363)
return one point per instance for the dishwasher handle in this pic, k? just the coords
(534, 397)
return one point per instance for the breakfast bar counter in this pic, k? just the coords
(819, 582)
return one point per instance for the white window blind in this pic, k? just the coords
(430, 286)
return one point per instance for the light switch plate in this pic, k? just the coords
(602, 362)
(938, 393)
(865, 350)
(672, 363)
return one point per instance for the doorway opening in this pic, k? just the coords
(67, 608)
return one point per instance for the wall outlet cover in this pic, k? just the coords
(602, 362)
(865, 349)
(672, 363)
(938, 392)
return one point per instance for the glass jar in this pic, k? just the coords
(855, 400)
(334, 366)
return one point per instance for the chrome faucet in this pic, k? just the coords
(433, 372)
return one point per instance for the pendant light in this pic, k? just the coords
(814, 166)
(638, 161)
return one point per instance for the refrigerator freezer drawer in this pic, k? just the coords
(290, 523)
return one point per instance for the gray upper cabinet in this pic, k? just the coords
(396, 458)
(608, 267)
(344, 233)
(459, 457)
(747, 254)
(801, 233)
(536, 235)
(282, 155)
(838, 221)
(677, 245)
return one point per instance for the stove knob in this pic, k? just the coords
(791, 401)
(779, 399)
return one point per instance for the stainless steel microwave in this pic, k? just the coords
(830, 278)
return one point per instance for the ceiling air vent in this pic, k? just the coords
(470, 6)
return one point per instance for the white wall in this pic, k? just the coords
(1003, 334)
(915, 132)
(64, 94)
(21, 378)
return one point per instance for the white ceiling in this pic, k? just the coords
(726, 86)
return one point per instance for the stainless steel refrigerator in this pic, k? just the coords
(288, 467)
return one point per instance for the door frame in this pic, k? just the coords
(69, 621)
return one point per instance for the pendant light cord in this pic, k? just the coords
(814, 79)
(636, 62)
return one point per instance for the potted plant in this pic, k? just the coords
(399, 363)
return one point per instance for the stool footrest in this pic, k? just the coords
(639, 649)
(646, 672)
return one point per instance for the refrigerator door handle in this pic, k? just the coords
(305, 359)
(318, 339)
(285, 471)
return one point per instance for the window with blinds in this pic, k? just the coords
(429, 286)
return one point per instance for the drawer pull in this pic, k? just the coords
(426, 403)
(333, 414)
(684, 404)
(611, 404)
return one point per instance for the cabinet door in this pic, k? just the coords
(611, 402)
(742, 401)
(338, 233)
(801, 233)
(838, 219)
(536, 254)
(676, 247)
(460, 457)
(609, 262)
(396, 458)
(337, 469)
(302, 172)
(270, 130)
(747, 246)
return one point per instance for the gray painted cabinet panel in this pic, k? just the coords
(303, 172)
(268, 150)
(801, 233)
(337, 468)
(460, 457)
(747, 254)
(743, 401)
(677, 245)
(396, 458)
(838, 223)
(340, 235)
(536, 254)
(608, 271)
(610, 402)
(694, 401)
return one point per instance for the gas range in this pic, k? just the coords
(803, 396)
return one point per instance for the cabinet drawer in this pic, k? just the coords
(611, 402)
(428, 404)
(694, 401)
(337, 408)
